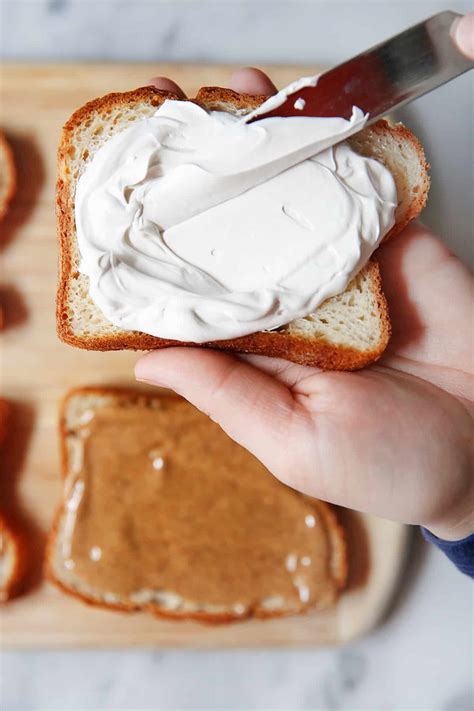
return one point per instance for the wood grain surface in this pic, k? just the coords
(36, 371)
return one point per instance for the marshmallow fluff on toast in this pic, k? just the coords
(180, 222)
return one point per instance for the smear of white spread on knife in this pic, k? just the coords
(197, 226)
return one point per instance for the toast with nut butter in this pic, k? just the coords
(163, 512)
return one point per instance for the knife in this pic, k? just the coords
(385, 77)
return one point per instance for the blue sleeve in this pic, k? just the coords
(461, 553)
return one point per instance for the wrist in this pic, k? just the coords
(453, 530)
(454, 519)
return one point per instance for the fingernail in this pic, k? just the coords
(148, 382)
(454, 26)
(142, 375)
(462, 32)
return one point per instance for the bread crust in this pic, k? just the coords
(10, 175)
(298, 349)
(318, 353)
(13, 586)
(400, 131)
(339, 563)
(10, 530)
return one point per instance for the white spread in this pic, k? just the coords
(197, 226)
(273, 102)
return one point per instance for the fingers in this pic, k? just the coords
(251, 81)
(166, 84)
(253, 408)
(429, 293)
(246, 81)
(463, 35)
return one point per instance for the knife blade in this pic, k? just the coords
(384, 77)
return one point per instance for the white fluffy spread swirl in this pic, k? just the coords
(197, 226)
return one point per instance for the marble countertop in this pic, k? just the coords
(421, 657)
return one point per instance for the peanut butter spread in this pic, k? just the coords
(163, 507)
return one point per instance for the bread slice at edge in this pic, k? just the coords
(12, 571)
(7, 175)
(14, 550)
(291, 342)
(80, 399)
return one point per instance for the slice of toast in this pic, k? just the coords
(12, 559)
(346, 332)
(12, 543)
(7, 175)
(163, 512)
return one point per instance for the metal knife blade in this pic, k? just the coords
(385, 77)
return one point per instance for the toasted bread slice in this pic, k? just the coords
(346, 332)
(12, 542)
(4, 415)
(12, 559)
(163, 512)
(7, 175)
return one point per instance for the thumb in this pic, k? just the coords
(253, 408)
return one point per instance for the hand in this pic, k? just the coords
(393, 439)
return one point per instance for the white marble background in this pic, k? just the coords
(421, 658)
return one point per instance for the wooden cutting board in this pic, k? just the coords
(36, 370)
